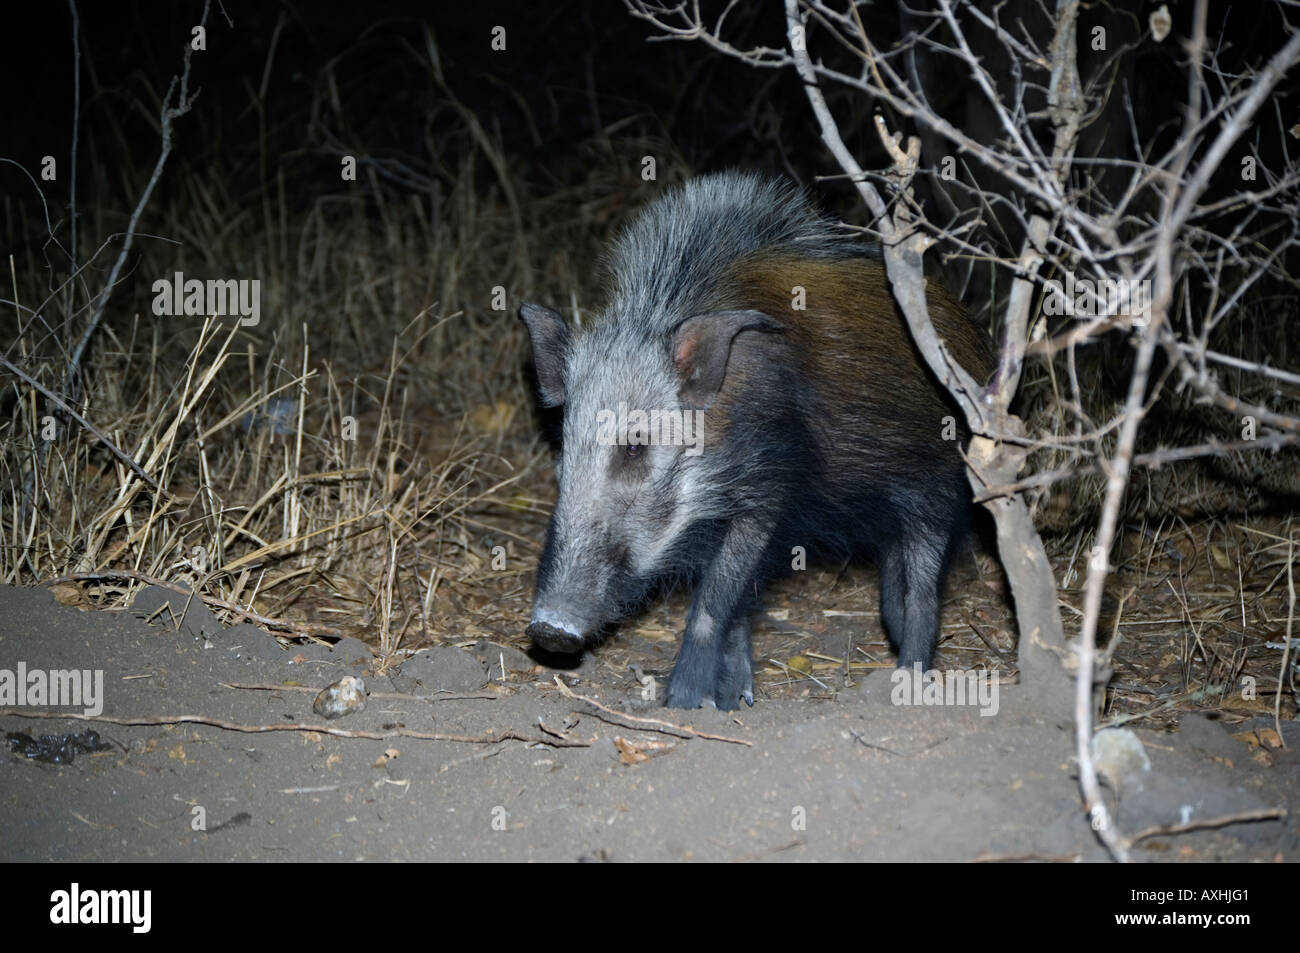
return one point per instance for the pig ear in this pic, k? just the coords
(550, 337)
(701, 346)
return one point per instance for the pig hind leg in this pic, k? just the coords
(912, 571)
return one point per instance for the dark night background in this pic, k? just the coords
(581, 93)
(571, 71)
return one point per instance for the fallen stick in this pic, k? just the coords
(485, 696)
(655, 724)
(507, 734)
(1263, 814)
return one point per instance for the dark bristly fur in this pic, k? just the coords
(822, 429)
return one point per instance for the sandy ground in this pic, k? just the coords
(856, 778)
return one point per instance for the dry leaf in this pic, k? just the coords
(66, 594)
(1256, 706)
(635, 752)
(1269, 737)
(493, 418)
(628, 752)
(1259, 738)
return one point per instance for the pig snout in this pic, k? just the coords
(553, 638)
(558, 625)
(581, 584)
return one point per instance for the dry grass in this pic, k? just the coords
(366, 460)
(336, 464)
(1200, 615)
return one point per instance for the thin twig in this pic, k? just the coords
(506, 734)
(655, 724)
(471, 696)
(168, 114)
(1263, 814)
(86, 424)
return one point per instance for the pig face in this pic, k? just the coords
(634, 488)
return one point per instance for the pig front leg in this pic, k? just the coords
(736, 667)
(714, 666)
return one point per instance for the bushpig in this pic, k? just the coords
(810, 420)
